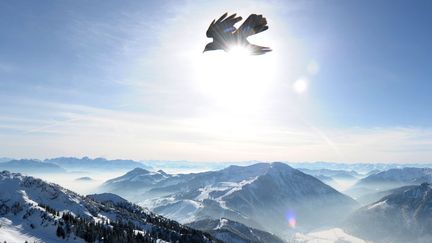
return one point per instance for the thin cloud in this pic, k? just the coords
(94, 131)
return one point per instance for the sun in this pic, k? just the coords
(239, 52)
(235, 80)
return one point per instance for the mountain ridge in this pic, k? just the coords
(403, 216)
(49, 211)
(272, 189)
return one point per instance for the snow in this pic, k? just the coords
(222, 223)
(16, 231)
(230, 187)
(327, 236)
(25, 218)
(12, 234)
(183, 211)
(107, 197)
(381, 204)
(140, 175)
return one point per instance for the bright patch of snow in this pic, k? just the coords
(327, 236)
(381, 204)
(11, 233)
(183, 211)
(222, 223)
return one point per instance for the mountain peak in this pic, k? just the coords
(280, 165)
(107, 197)
(162, 172)
(137, 171)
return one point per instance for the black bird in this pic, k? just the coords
(226, 36)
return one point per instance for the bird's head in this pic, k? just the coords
(211, 47)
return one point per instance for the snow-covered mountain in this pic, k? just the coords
(37, 211)
(403, 216)
(259, 195)
(406, 175)
(30, 166)
(390, 179)
(108, 198)
(135, 181)
(230, 231)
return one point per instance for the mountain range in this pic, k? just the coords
(390, 179)
(32, 209)
(97, 164)
(69, 164)
(31, 166)
(262, 202)
(266, 196)
(362, 168)
(334, 174)
(403, 216)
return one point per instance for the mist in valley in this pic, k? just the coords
(295, 205)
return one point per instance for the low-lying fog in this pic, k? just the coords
(365, 188)
(341, 184)
(81, 182)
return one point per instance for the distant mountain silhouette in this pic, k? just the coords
(29, 166)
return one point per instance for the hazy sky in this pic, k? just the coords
(348, 81)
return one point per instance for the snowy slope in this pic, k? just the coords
(258, 195)
(35, 210)
(403, 216)
(12, 233)
(135, 181)
(326, 236)
(230, 231)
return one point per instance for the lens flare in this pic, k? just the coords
(300, 85)
(291, 218)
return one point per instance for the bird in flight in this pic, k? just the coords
(226, 36)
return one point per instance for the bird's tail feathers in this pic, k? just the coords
(259, 50)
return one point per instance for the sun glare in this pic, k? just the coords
(236, 80)
(239, 52)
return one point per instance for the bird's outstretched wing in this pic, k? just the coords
(258, 50)
(223, 26)
(254, 24)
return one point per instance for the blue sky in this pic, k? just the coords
(128, 80)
